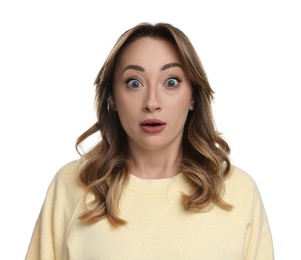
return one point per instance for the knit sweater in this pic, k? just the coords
(158, 226)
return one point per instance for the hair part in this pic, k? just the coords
(205, 155)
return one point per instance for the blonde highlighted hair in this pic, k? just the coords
(205, 155)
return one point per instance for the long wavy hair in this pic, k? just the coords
(205, 155)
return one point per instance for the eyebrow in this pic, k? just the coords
(134, 67)
(164, 67)
(171, 65)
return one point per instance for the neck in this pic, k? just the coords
(154, 164)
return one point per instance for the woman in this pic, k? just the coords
(159, 184)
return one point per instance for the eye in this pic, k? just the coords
(133, 83)
(172, 82)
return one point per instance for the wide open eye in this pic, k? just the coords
(172, 82)
(133, 83)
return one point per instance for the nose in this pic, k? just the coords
(151, 102)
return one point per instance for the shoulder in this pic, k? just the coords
(67, 183)
(241, 191)
(68, 172)
(238, 179)
(240, 188)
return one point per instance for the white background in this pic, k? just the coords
(51, 51)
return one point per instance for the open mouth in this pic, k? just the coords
(152, 126)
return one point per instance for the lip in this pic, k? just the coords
(152, 125)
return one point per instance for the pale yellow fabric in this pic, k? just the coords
(158, 226)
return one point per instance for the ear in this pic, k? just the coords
(191, 107)
(111, 104)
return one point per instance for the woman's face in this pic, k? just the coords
(153, 95)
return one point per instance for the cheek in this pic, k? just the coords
(178, 113)
(126, 105)
(127, 111)
(123, 99)
(182, 104)
(183, 107)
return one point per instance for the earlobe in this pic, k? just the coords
(111, 104)
(191, 107)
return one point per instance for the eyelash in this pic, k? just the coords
(128, 81)
(175, 79)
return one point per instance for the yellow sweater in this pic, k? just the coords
(158, 226)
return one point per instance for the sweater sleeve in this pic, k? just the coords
(47, 242)
(259, 244)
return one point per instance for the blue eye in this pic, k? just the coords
(133, 83)
(172, 82)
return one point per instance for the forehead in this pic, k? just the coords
(149, 49)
